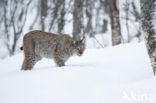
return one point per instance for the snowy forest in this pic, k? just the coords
(119, 60)
(102, 18)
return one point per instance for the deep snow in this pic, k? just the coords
(120, 74)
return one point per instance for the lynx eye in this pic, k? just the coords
(79, 48)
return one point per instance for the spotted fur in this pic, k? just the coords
(39, 44)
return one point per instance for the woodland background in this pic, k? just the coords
(103, 22)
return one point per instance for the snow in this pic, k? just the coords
(3, 50)
(120, 74)
(103, 39)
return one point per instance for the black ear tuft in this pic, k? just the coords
(21, 48)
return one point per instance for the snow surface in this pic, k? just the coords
(120, 74)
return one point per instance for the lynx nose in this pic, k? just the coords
(80, 52)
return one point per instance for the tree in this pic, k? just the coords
(115, 22)
(14, 19)
(127, 8)
(61, 19)
(44, 9)
(77, 19)
(112, 9)
(88, 12)
(147, 10)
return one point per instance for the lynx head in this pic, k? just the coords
(79, 46)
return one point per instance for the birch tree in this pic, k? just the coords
(115, 22)
(147, 10)
(112, 8)
(14, 19)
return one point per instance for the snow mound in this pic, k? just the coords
(120, 74)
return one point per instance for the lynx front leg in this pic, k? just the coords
(59, 62)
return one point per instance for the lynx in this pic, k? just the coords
(39, 44)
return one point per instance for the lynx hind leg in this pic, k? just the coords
(29, 62)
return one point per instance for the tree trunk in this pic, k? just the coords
(44, 8)
(77, 19)
(61, 21)
(147, 10)
(88, 11)
(115, 22)
(55, 14)
(127, 19)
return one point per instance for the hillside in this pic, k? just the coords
(120, 74)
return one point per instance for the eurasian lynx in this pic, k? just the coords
(39, 44)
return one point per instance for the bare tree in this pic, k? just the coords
(44, 9)
(137, 16)
(88, 12)
(115, 22)
(129, 13)
(61, 19)
(127, 8)
(15, 17)
(112, 9)
(78, 19)
(147, 10)
(55, 13)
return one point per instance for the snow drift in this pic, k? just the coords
(120, 74)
